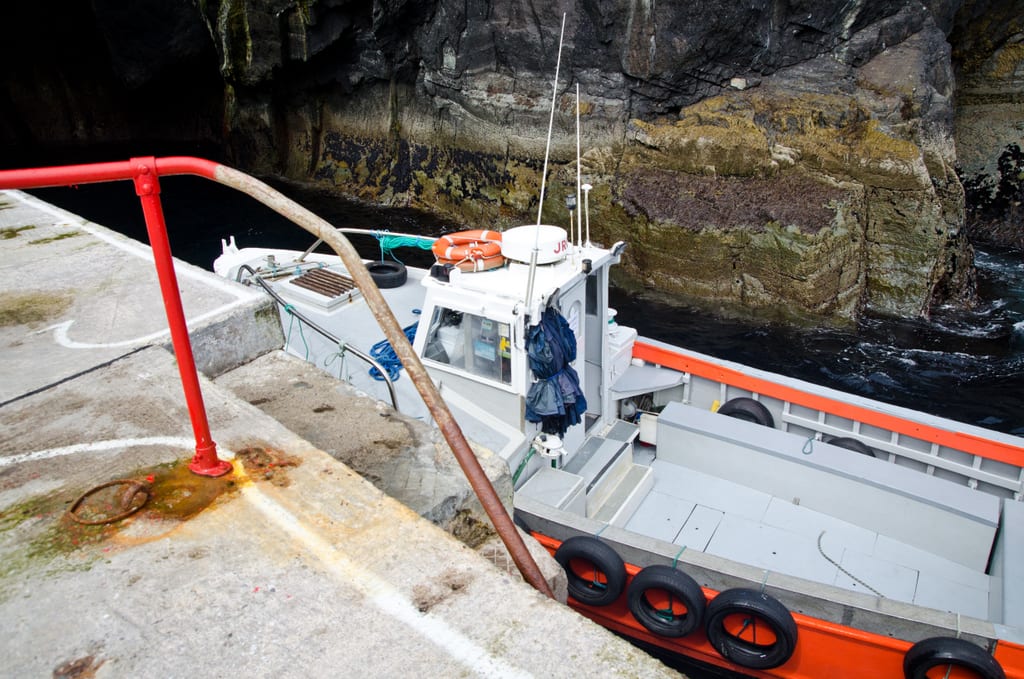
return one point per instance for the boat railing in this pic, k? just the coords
(932, 457)
(302, 318)
(980, 462)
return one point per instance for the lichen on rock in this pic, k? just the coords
(835, 121)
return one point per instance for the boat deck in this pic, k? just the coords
(681, 504)
(359, 329)
(347, 314)
(699, 511)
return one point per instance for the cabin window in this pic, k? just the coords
(480, 346)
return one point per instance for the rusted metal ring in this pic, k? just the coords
(127, 500)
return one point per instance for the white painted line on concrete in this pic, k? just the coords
(63, 338)
(103, 446)
(384, 596)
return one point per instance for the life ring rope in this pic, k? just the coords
(470, 250)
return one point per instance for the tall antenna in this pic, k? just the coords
(579, 228)
(544, 176)
(586, 208)
(551, 120)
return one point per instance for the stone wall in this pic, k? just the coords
(775, 156)
(795, 155)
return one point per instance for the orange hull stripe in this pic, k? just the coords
(970, 443)
(824, 649)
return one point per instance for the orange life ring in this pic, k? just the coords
(484, 264)
(470, 250)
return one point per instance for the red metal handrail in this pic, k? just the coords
(145, 173)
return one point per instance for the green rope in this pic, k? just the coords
(339, 354)
(668, 614)
(808, 446)
(522, 466)
(291, 322)
(388, 243)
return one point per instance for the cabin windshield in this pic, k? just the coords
(478, 345)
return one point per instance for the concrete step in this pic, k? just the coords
(623, 500)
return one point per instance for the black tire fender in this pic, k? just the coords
(756, 614)
(944, 651)
(595, 571)
(849, 443)
(680, 588)
(743, 408)
(388, 274)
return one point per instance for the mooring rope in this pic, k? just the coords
(291, 322)
(388, 243)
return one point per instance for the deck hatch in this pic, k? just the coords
(324, 282)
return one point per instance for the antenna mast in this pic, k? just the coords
(544, 176)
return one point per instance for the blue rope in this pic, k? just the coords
(385, 354)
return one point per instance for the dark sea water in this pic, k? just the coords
(964, 365)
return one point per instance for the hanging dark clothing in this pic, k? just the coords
(555, 399)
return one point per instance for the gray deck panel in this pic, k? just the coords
(699, 528)
(771, 548)
(907, 555)
(891, 579)
(660, 516)
(955, 597)
(839, 535)
(709, 491)
(736, 522)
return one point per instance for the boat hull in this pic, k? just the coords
(823, 649)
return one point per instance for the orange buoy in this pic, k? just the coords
(470, 250)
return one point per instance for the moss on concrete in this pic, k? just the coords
(31, 308)
(53, 239)
(14, 231)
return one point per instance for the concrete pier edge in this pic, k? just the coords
(298, 567)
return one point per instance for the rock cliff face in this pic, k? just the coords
(785, 155)
(989, 126)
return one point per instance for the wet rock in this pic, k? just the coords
(444, 105)
(989, 58)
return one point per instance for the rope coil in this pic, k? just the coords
(385, 355)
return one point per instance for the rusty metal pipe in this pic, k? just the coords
(417, 373)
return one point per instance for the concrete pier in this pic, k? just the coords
(292, 565)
